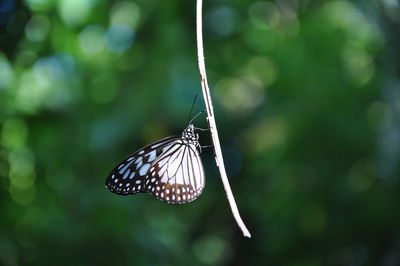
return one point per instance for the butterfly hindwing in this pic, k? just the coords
(177, 176)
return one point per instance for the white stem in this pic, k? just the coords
(211, 120)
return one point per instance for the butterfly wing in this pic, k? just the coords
(177, 176)
(129, 176)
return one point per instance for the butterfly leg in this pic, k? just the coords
(201, 129)
(207, 146)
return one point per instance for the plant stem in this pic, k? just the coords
(211, 120)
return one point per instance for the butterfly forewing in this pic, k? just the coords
(129, 176)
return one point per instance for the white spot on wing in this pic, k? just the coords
(125, 167)
(144, 169)
(132, 175)
(152, 156)
(126, 174)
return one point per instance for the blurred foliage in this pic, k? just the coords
(307, 100)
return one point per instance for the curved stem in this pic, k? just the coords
(211, 120)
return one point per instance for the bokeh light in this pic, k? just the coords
(91, 39)
(221, 21)
(119, 38)
(22, 176)
(268, 136)
(358, 65)
(37, 28)
(75, 12)
(124, 12)
(6, 72)
(40, 5)
(211, 250)
(264, 14)
(14, 133)
(240, 95)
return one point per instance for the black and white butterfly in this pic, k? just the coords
(169, 169)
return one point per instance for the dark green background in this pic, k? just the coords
(307, 101)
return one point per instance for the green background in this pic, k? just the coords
(307, 101)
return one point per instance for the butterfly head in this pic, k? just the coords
(189, 134)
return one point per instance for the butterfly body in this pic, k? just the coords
(169, 169)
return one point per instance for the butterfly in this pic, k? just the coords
(170, 169)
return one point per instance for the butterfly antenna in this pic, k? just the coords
(191, 109)
(196, 117)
